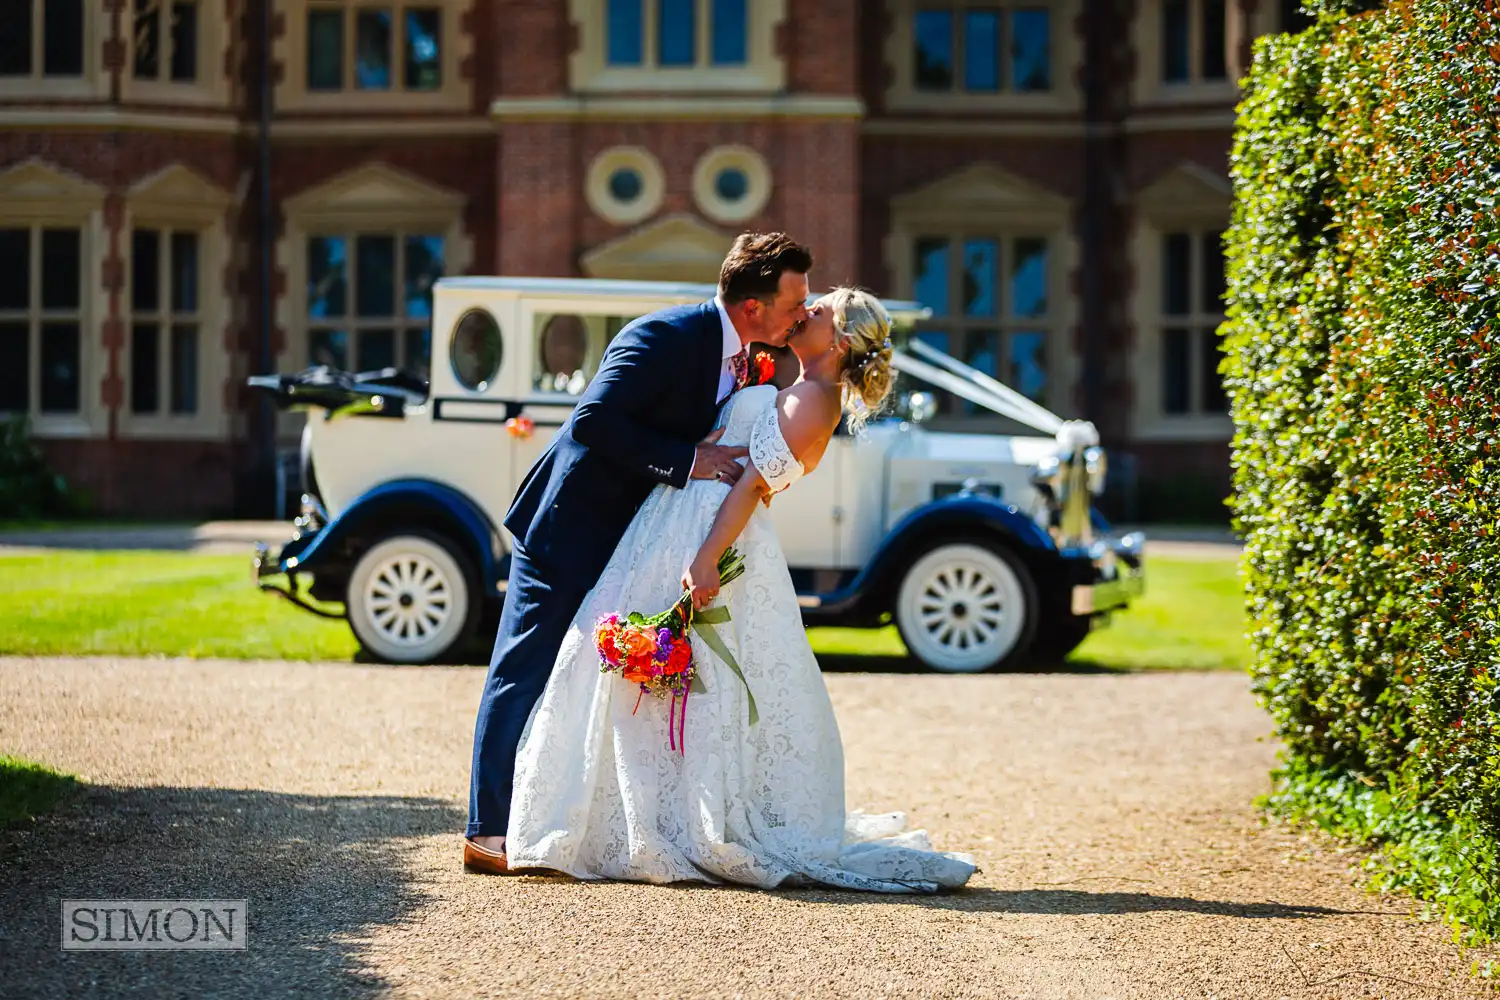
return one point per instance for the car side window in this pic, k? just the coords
(569, 347)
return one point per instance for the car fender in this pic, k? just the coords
(962, 514)
(409, 504)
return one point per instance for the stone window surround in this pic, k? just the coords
(290, 50)
(985, 201)
(764, 70)
(602, 200)
(93, 84)
(370, 198)
(1243, 21)
(36, 194)
(903, 95)
(705, 192)
(177, 198)
(1187, 198)
(212, 87)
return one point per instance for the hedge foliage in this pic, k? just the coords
(28, 488)
(1363, 364)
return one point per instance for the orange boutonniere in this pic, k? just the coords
(765, 369)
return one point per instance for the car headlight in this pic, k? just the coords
(1096, 466)
(1048, 478)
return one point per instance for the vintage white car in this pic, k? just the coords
(984, 549)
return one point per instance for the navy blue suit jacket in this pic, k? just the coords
(636, 426)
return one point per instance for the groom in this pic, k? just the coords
(657, 392)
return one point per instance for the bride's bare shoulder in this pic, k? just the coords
(809, 413)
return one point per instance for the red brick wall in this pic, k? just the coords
(150, 478)
(820, 44)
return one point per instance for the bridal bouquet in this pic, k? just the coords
(654, 652)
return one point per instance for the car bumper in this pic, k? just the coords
(1117, 569)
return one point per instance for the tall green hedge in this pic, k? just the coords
(1363, 364)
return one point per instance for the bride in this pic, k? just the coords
(600, 791)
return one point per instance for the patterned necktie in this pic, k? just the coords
(740, 365)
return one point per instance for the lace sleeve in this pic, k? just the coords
(768, 450)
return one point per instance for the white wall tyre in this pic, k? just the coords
(964, 608)
(410, 600)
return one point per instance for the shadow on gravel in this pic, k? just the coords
(1073, 901)
(838, 663)
(319, 873)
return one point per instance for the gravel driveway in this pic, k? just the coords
(1111, 815)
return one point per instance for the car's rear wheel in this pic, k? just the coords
(965, 608)
(410, 599)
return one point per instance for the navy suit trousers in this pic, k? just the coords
(538, 611)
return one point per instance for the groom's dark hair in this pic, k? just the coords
(754, 266)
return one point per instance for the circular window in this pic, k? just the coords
(732, 183)
(474, 350)
(624, 185)
(562, 355)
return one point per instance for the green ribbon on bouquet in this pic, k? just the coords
(702, 623)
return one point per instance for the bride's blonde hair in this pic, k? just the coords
(863, 324)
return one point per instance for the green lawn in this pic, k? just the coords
(150, 603)
(27, 790)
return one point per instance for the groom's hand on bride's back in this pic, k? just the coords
(717, 461)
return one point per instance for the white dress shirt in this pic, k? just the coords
(732, 346)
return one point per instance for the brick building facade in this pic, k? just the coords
(1049, 175)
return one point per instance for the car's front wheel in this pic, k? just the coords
(964, 608)
(410, 599)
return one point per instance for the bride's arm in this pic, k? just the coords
(806, 419)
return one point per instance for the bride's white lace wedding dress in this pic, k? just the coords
(599, 791)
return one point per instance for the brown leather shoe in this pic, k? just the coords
(483, 861)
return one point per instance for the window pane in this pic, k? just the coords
(417, 345)
(184, 42)
(982, 50)
(930, 285)
(60, 375)
(375, 275)
(15, 41)
(1028, 277)
(372, 50)
(979, 277)
(15, 367)
(729, 30)
(1213, 273)
(1028, 363)
(424, 32)
(1174, 40)
(624, 18)
(145, 364)
(325, 50)
(15, 268)
(933, 69)
(184, 369)
(1176, 372)
(61, 268)
(424, 266)
(328, 347)
(1031, 50)
(327, 277)
(145, 270)
(62, 39)
(1215, 400)
(1177, 265)
(147, 39)
(940, 340)
(376, 349)
(1213, 41)
(982, 352)
(185, 272)
(676, 32)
